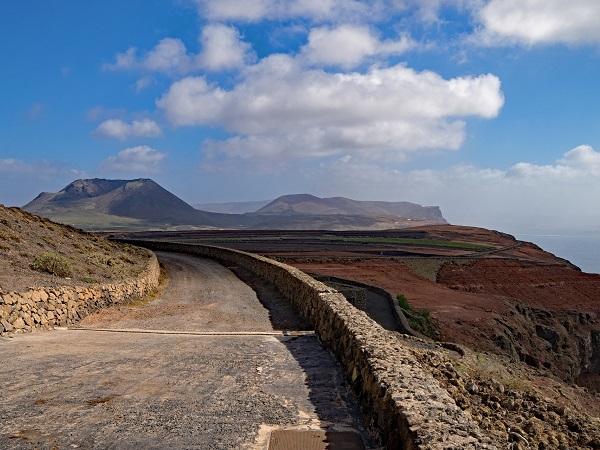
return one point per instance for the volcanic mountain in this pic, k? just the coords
(301, 204)
(142, 204)
(122, 204)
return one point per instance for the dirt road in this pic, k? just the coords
(202, 296)
(221, 386)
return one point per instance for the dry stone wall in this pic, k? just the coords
(357, 296)
(401, 402)
(46, 308)
(398, 313)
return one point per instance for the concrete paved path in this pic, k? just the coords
(220, 387)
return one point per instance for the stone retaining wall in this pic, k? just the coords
(401, 402)
(46, 308)
(356, 295)
(398, 312)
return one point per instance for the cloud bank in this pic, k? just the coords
(222, 49)
(539, 22)
(280, 110)
(135, 160)
(347, 46)
(521, 199)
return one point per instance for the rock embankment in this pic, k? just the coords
(498, 395)
(48, 307)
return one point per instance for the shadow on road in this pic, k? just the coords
(330, 396)
(282, 313)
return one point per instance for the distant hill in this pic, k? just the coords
(301, 204)
(142, 204)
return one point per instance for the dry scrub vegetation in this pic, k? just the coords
(35, 252)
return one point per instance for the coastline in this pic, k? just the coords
(581, 250)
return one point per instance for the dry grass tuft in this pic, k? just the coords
(53, 264)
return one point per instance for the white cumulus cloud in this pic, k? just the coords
(584, 158)
(118, 129)
(281, 110)
(582, 162)
(168, 56)
(348, 45)
(531, 22)
(140, 159)
(125, 60)
(318, 10)
(222, 48)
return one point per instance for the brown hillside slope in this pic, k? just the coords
(25, 237)
(516, 299)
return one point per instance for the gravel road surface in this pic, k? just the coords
(186, 371)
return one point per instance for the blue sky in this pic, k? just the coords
(487, 108)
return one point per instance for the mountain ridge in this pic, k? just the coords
(100, 204)
(310, 204)
(232, 207)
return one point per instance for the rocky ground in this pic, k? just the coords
(509, 401)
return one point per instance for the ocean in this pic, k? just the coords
(583, 251)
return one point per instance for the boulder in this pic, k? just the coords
(19, 324)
